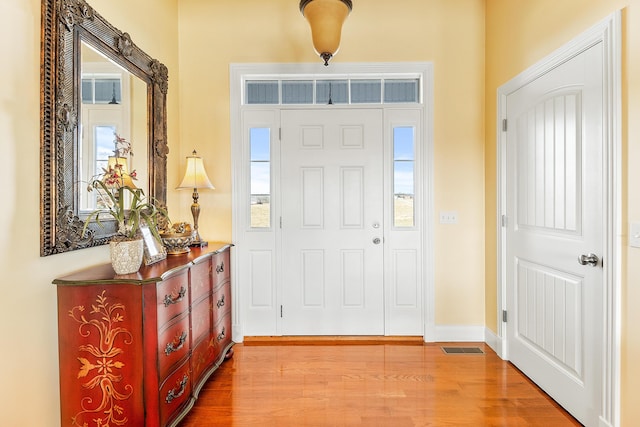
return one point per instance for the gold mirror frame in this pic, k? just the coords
(65, 23)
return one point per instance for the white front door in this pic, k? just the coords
(555, 207)
(332, 222)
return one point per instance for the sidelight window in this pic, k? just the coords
(260, 192)
(403, 176)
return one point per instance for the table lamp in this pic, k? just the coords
(195, 177)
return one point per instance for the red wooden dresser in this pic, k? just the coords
(136, 349)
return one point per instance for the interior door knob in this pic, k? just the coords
(589, 259)
(376, 240)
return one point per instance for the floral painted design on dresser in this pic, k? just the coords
(101, 367)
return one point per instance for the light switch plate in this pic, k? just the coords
(634, 235)
(448, 217)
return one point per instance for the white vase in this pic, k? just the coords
(126, 256)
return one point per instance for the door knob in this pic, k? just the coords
(376, 240)
(590, 259)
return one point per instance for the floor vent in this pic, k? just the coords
(462, 350)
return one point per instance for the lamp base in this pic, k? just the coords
(197, 241)
(200, 244)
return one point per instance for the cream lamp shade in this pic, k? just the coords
(119, 164)
(326, 18)
(195, 176)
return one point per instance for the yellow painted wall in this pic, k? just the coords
(214, 34)
(29, 395)
(520, 33)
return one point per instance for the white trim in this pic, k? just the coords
(607, 32)
(241, 72)
(428, 209)
(493, 340)
(459, 333)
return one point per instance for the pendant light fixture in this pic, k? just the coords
(326, 18)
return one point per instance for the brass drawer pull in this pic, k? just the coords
(222, 334)
(173, 394)
(170, 299)
(220, 268)
(175, 346)
(220, 302)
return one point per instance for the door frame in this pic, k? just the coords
(240, 72)
(608, 32)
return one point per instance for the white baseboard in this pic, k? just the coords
(451, 333)
(494, 341)
(604, 423)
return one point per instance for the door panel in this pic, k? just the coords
(332, 210)
(555, 207)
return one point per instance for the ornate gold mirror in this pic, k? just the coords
(95, 83)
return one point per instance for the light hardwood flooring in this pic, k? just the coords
(365, 383)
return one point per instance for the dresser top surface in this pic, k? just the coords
(147, 273)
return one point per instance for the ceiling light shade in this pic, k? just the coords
(326, 18)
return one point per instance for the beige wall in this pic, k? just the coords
(29, 393)
(448, 33)
(520, 33)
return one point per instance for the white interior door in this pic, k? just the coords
(332, 222)
(555, 216)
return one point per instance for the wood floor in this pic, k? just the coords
(362, 384)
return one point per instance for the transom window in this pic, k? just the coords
(101, 89)
(333, 91)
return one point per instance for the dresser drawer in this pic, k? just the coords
(202, 358)
(173, 344)
(221, 267)
(221, 334)
(201, 321)
(174, 393)
(221, 301)
(173, 297)
(201, 277)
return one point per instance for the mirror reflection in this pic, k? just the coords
(113, 105)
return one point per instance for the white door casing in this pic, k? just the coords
(332, 222)
(559, 185)
(408, 295)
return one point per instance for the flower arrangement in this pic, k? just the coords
(119, 198)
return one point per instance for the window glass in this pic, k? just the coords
(107, 91)
(345, 91)
(262, 92)
(366, 91)
(337, 90)
(297, 92)
(104, 90)
(401, 91)
(103, 137)
(403, 176)
(87, 91)
(260, 158)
